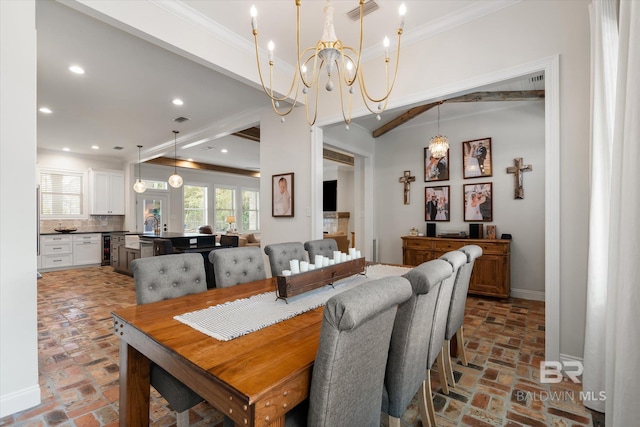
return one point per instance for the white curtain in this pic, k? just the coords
(612, 354)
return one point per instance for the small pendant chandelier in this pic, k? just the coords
(175, 180)
(139, 186)
(439, 145)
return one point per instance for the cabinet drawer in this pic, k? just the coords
(494, 248)
(449, 245)
(53, 261)
(418, 244)
(53, 248)
(87, 238)
(55, 239)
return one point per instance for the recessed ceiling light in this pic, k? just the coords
(95, 147)
(76, 69)
(66, 149)
(224, 150)
(45, 110)
(190, 160)
(177, 101)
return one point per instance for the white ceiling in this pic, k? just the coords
(124, 98)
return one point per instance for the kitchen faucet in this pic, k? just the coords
(156, 229)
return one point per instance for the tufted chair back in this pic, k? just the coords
(162, 277)
(460, 289)
(281, 253)
(205, 229)
(348, 372)
(324, 247)
(410, 339)
(234, 266)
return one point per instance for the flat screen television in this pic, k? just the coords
(330, 196)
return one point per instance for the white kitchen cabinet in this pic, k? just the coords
(87, 249)
(56, 251)
(107, 192)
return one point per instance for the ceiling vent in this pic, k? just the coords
(369, 6)
(181, 119)
(538, 78)
(118, 147)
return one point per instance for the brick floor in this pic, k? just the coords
(78, 364)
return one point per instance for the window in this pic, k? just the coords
(156, 185)
(250, 210)
(62, 194)
(225, 206)
(195, 207)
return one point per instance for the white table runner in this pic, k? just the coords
(240, 317)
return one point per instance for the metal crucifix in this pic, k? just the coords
(407, 179)
(518, 174)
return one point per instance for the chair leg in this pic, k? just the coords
(431, 410)
(394, 422)
(462, 355)
(182, 418)
(441, 374)
(447, 361)
(423, 404)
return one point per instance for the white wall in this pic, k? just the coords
(19, 388)
(516, 130)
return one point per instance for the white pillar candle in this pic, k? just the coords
(336, 256)
(286, 272)
(312, 267)
(349, 258)
(319, 261)
(358, 254)
(332, 262)
(304, 266)
(325, 261)
(352, 252)
(343, 257)
(294, 264)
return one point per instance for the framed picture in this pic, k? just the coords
(282, 195)
(435, 169)
(476, 158)
(436, 203)
(477, 202)
(491, 232)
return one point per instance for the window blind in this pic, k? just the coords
(61, 194)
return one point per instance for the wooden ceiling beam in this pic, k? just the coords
(514, 95)
(168, 161)
(252, 134)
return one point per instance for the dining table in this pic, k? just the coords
(253, 379)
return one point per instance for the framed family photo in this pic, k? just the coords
(435, 169)
(436, 203)
(282, 195)
(478, 205)
(476, 158)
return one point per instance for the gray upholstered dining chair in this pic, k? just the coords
(438, 326)
(234, 266)
(229, 240)
(348, 373)
(324, 247)
(164, 247)
(281, 253)
(455, 318)
(163, 277)
(405, 373)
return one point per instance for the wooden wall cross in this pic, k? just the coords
(407, 179)
(518, 174)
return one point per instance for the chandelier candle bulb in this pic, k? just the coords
(385, 43)
(402, 10)
(254, 18)
(271, 48)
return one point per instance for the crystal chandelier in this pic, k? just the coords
(439, 145)
(175, 180)
(337, 59)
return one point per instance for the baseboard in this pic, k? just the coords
(527, 294)
(19, 401)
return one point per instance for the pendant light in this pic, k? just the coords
(175, 180)
(439, 145)
(139, 186)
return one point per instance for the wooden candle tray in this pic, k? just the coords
(288, 286)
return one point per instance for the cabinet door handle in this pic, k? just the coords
(55, 249)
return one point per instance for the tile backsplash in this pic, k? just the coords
(97, 223)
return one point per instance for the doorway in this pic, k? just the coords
(150, 205)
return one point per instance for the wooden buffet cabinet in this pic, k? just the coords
(491, 272)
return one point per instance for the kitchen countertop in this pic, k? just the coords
(84, 232)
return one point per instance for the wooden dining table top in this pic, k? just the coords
(254, 379)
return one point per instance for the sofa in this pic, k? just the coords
(247, 239)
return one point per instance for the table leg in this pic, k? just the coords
(134, 387)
